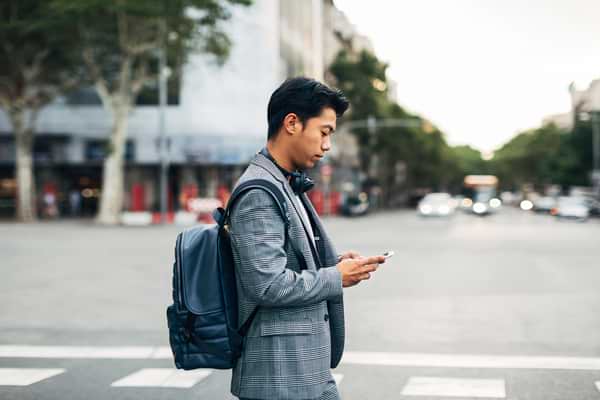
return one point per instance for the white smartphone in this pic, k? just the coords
(388, 254)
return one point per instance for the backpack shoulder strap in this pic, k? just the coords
(222, 216)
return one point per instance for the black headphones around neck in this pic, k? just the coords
(299, 181)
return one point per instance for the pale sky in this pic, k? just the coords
(483, 70)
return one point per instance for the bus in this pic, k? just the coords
(480, 194)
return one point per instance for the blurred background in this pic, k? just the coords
(159, 108)
(471, 148)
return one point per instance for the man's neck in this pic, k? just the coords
(280, 157)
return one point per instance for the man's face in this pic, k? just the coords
(314, 139)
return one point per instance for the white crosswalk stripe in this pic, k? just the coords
(338, 378)
(88, 352)
(471, 361)
(163, 377)
(453, 387)
(350, 357)
(26, 376)
(598, 385)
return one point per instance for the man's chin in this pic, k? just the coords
(311, 164)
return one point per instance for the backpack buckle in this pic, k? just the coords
(218, 215)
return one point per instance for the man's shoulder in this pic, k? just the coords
(255, 196)
(254, 171)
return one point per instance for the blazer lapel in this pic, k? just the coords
(325, 247)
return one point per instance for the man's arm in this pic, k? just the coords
(257, 233)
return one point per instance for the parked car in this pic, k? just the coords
(544, 204)
(572, 207)
(355, 205)
(436, 204)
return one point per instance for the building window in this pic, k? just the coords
(86, 96)
(50, 149)
(7, 150)
(97, 150)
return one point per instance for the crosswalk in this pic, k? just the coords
(26, 376)
(452, 387)
(163, 377)
(490, 385)
(431, 386)
(145, 377)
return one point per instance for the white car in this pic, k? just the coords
(437, 204)
(544, 204)
(572, 207)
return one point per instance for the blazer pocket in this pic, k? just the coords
(302, 327)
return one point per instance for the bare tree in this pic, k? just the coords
(121, 40)
(36, 65)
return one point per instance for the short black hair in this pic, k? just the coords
(304, 97)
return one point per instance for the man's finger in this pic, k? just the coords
(372, 260)
(353, 254)
(370, 268)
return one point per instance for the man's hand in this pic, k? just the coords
(355, 270)
(349, 254)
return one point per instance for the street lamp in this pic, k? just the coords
(596, 151)
(162, 132)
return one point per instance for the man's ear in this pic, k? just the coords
(292, 124)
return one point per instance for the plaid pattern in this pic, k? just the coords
(330, 393)
(298, 332)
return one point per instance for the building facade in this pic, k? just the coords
(582, 101)
(215, 120)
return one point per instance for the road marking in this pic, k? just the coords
(161, 353)
(471, 361)
(350, 357)
(163, 377)
(127, 352)
(26, 376)
(450, 387)
(598, 385)
(338, 378)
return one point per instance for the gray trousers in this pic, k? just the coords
(330, 393)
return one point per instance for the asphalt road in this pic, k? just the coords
(505, 306)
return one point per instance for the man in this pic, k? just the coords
(294, 280)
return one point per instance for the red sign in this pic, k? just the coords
(326, 170)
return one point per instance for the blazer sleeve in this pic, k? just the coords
(257, 236)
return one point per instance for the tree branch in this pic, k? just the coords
(136, 50)
(99, 82)
(141, 77)
(31, 73)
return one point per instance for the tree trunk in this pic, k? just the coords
(26, 209)
(111, 201)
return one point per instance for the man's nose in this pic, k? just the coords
(326, 144)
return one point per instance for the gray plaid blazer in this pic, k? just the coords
(297, 334)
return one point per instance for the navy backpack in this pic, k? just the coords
(203, 319)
